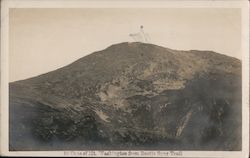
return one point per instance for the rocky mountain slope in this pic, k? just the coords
(131, 96)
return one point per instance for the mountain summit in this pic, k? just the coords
(131, 96)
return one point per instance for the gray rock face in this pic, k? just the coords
(131, 96)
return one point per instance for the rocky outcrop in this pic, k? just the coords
(131, 96)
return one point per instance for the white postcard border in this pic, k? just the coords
(7, 4)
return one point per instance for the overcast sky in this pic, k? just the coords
(42, 40)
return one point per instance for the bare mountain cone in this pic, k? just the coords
(131, 96)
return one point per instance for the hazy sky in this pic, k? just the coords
(42, 40)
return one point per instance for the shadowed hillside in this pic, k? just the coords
(131, 96)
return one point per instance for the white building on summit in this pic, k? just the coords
(141, 36)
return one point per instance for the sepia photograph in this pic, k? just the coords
(150, 80)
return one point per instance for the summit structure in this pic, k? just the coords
(141, 36)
